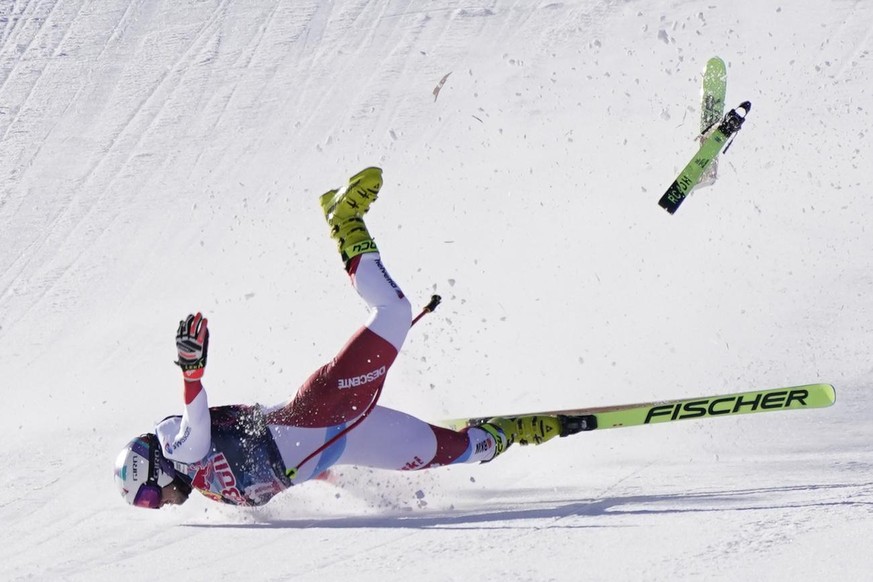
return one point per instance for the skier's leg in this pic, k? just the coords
(341, 390)
(390, 439)
(390, 310)
(385, 439)
(393, 440)
(344, 210)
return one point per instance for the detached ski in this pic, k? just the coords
(712, 94)
(586, 419)
(712, 145)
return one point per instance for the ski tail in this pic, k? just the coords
(586, 419)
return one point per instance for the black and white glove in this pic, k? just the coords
(192, 342)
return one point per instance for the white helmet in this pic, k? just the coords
(141, 471)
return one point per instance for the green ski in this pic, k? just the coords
(586, 419)
(712, 95)
(712, 145)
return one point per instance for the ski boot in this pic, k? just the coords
(524, 430)
(345, 208)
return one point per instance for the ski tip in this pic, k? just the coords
(831, 392)
(822, 395)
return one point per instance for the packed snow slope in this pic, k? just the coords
(165, 156)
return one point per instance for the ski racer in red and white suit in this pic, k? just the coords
(228, 455)
(245, 455)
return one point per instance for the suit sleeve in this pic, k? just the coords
(188, 438)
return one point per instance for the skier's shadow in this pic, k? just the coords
(677, 503)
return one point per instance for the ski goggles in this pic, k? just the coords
(148, 496)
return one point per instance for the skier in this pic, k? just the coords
(245, 455)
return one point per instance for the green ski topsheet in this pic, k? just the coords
(713, 144)
(792, 398)
(797, 397)
(691, 173)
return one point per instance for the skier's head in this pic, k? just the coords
(146, 478)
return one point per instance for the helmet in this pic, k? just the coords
(141, 471)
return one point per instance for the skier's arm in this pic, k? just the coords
(188, 439)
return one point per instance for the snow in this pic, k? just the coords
(165, 156)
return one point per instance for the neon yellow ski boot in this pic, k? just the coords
(524, 430)
(345, 208)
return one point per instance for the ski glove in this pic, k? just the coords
(192, 342)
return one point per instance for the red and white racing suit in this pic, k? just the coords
(336, 405)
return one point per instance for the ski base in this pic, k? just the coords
(712, 96)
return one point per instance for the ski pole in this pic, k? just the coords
(430, 307)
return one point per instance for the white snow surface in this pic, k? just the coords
(165, 156)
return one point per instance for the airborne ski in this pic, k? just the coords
(586, 419)
(712, 95)
(712, 145)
